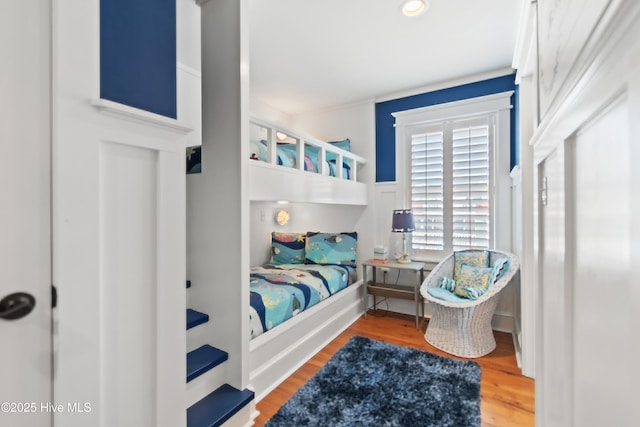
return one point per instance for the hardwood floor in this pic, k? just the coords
(507, 396)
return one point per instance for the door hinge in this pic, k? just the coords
(54, 296)
(543, 192)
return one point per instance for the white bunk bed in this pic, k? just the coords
(270, 181)
(277, 353)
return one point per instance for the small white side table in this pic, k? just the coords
(390, 290)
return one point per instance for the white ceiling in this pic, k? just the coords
(313, 54)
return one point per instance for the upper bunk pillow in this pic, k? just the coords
(345, 145)
(287, 248)
(331, 248)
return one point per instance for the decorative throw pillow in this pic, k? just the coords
(331, 248)
(471, 258)
(287, 248)
(447, 283)
(473, 281)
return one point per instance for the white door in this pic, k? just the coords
(118, 244)
(25, 248)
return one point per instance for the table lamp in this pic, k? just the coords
(403, 223)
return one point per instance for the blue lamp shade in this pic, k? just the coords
(402, 221)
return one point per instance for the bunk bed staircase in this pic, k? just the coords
(210, 401)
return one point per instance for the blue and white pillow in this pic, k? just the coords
(331, 248)
(447, 283)
(287, 248)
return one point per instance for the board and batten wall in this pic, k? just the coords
(580, 82)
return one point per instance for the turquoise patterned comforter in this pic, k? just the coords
(281, 292)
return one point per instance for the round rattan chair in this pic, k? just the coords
(463, 328)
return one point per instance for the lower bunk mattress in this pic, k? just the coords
(280, 292)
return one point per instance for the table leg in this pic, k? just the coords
(416, 297)
(366, 293)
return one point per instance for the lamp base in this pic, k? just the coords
(404, 259)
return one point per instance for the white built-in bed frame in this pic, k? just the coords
(276, 354)
(270, 182)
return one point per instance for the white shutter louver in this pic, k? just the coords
(470, 187)
(427, 189)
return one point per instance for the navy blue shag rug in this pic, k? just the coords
(372, 383)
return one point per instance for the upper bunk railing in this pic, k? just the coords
(278, 146)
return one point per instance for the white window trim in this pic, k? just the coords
(498, 104)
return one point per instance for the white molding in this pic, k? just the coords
(472, 106)
(597, 72)
(383, 184)
(138, 115)
(525, 31)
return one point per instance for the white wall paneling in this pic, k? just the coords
(602, 294)
(585, 241)
(118, 185)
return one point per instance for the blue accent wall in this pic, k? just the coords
(385, 132)
(138, 54)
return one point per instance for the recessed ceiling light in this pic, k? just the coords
(414, 7)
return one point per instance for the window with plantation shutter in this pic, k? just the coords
(450, 185)
(457, 174)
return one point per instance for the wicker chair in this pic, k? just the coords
(464, 328)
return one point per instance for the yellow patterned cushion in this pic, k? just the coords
(472, 282)
(471, 258)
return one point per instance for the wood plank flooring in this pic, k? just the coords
(507, 396)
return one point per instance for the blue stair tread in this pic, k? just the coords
(203, 359)
(195, 318)
(216, 408)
